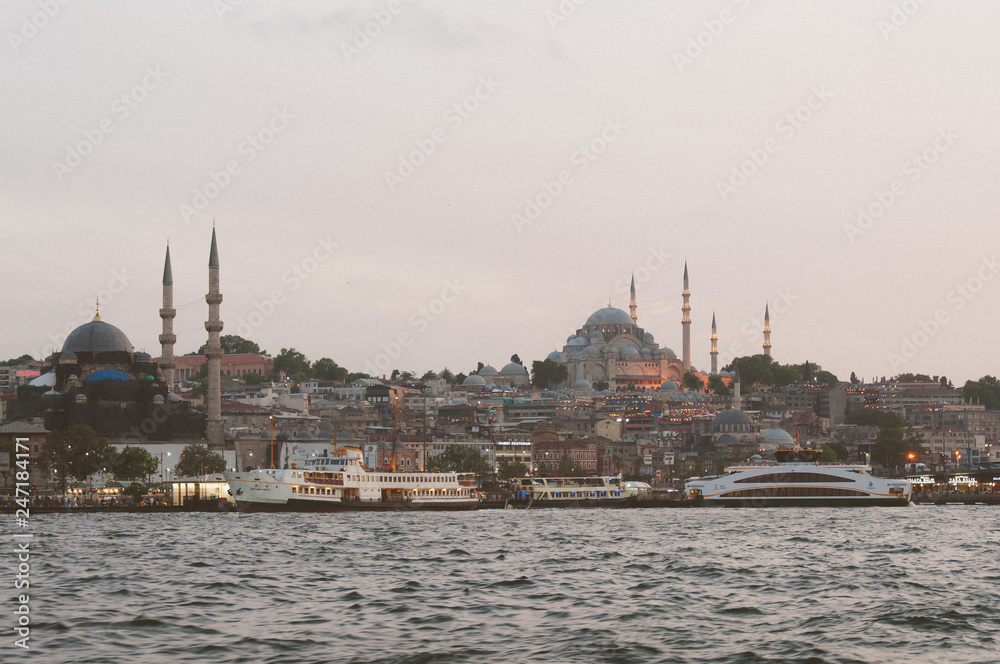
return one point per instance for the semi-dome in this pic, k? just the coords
(512, 368)
(474, 381)
(611, 349)
(609, 316)
(591, 350)
(97, 337)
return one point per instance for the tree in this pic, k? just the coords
(507, 469)
(448, 376)
(460, 378)
(516, 360)
(548, 372)
(252, 379)
(290, 361)
(893, 443)
(135, 491)
(569, 466)
(326, 369)
(479, 367)
(428, 375)
(13, 362)
(601, 385)
(825, 378)
(394, 375)
(198, 460)
(718, 386)
(460, 459)
(74, 453)
(691, 381)
(854, 379)
(132, 463)
(986, 391)
(945, 383)
(233, 345)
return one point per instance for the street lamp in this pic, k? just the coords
(161, 463)
(245, 454)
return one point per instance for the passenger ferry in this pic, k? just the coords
(797, 479)
(340, 482)
(571, 492)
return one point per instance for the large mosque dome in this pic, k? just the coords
(97, 337)
(609, 316)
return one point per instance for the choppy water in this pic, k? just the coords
(918, 584)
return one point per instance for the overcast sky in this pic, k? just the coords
(481, 177)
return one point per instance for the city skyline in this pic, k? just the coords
(483, 179)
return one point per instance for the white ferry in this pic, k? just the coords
(797, 479)
(341, 482)
(571, 492)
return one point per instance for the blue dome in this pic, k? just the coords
(473, 381)
(628, 350)
(609, 316)
(106, 374)
(143, 357)
(512, 368)
(96, 337)
(554, 356)
(732, 416)
(669, 386)
(579, 341)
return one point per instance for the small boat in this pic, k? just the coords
(340, 482)
(571, 492)
(797, 479)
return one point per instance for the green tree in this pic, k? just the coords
(198, 460)
(546, 373)
(252, 379)
(569, 466)
(460, 459)
(428, 375)
(507, 469)
(460, 378)
(448, 376)
(601, 385)
(74, 453)
(895, 442)
(780, 375)
(691, 381)
(986, 391)
(516, 360)
(13, 362)
(291, 362)
(718, 386)
(854, 379)
(132, 463)
(135, 491)
(233, 345)
(326, 369)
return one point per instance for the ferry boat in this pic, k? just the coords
(571, 492)
(340, 482)
(797, 479)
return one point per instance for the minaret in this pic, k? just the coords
(686, 323)
(213, 354)
(767, 331)
(168, 338)
(737, 397)
(715, 347)
(631, 304)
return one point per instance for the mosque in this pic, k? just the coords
(98, 378)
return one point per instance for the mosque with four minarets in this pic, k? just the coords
(611, 347)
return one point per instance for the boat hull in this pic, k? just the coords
(301, 505)
(801, 502)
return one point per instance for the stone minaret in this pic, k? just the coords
(213, 354)
(767, 331)
(715, 347)
(168, 338)
(737, 397)
(686, 323)
(631, 304)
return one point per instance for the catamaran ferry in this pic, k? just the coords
(571, 492)
(341, 482)
(797, 479)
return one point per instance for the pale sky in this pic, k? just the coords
(375, 179)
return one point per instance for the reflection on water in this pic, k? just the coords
(813, 585)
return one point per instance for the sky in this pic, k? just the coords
(422, 185)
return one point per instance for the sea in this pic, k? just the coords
(738, 586)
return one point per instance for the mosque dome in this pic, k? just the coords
(591, 350)
(157, 398)
(80, 398)
(669, 386)
(143, 357)
(773, 436)
(611, 349)
(732, 417)
(488, 369)
(582, 384)
(97, 337)
(67, 357)
(647, 338)
(628, 350)
(554, 356)
(578, 341)
(512, 369)
(474, 381)
(45, 380)
(609, 316)
(645, 351)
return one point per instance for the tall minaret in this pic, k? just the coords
(631, 304)
(213, 430)
(168, 338)
(737, 397)
(767, 331)
(715, 347)
(686, 323)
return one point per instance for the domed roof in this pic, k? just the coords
(157, 398)
(45, 380)
(143, 357)
(669, 386)
(611, 349)
(776, 436)
(645, 351)
(578, 341)
(667, 351)
(554, 355)
(473, 381)
(96, 337)
(628, 350)
(732, 416)
(609, 316)
(582, 384)
(512, 368)
(106, 374)
(647, 337)
(591, 350)
(488, 369)
(174, 397)
(66, 357)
